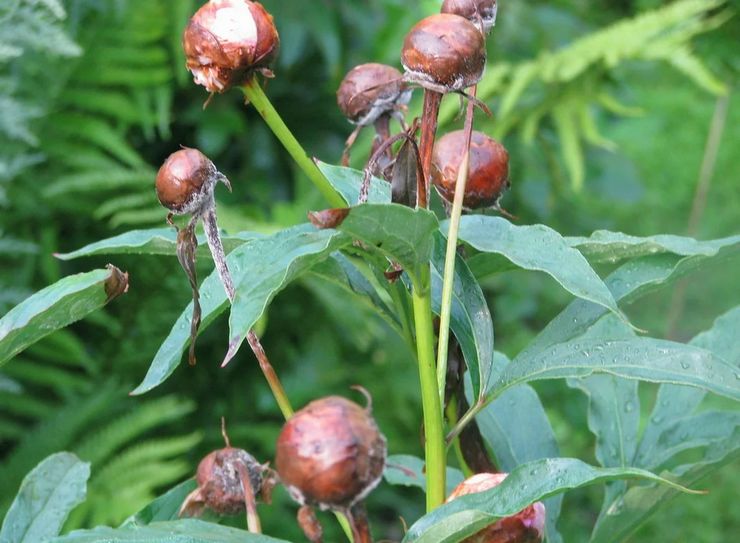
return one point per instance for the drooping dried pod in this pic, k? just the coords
(371, 90)
(527, 526)
(221, 476)
(186, 180)
(226, 41)
(444, 53)
(488, 174)
(330, 454)
(479, 12)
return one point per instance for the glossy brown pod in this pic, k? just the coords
(488, 175)
(227, 40)
(330, 454)
(369, 91)
(445, 53)
(185, 180)
(481, 12)
(527, 526)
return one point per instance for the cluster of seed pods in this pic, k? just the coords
(331, 454)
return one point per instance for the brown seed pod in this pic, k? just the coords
(227, 40)
(371, 90)
(527, 526)
(186, 180)
(444, 53)
(330, 454)
(479, 12)
(219, 480)
(488, 175)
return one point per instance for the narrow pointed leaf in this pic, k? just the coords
(264, 261)
(57, 306)
(46, 497)
(179, 531)
(470, 317)
(538, 248)
(155, 241)
(525, 485)
(650, 360)
(606, 246)
(261, 270)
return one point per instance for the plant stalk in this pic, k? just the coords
(448, 280)
(434, 441)
(254, 93)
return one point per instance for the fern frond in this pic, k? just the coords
(100, 445)
(61, 380)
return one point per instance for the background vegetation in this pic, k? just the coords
(607, 133)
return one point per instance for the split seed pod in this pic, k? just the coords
(488, 175)
(330, 454)
(371, 90)
(527, 526)
(444, 53)
(220, 486)
(228, 40)
(479, 12)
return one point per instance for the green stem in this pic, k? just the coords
(434, 443)
(452, 419)
(448, 280)
(254, 93)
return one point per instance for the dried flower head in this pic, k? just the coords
(479, 12)
(227, 40)
(371, 90)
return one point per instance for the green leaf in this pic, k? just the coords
(47, 495)
(639, 503)
(539, 248)
(645, 359)
(57, 306)
(267, 262)
(673, 402)
(518, 431)
(606, 246)
(347, 182)
(180, 531)
(264, 267)
(407, 470)
(154, 241)
(402, 234)
(166, 507)
(525, 485)
(470, 318)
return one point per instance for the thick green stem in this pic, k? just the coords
(257, 97)
(448, 280)
(434, 443)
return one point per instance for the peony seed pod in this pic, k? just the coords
(371, 90)
(226, 41)
(186, 180)
(479, 12)
(527, 526)
(219, 480)
(444, 53)
(488, 174)
(330, 454)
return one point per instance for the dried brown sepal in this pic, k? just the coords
(187, 244)
(226, 41)
(393, 273)
(116, 284)
(405, 174)
(310, 524)
(358, 521)
(328, 218)
(330, 454)
(527, 526)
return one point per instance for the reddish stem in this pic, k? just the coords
(357, 517)
(432, 100)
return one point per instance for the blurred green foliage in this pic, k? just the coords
(92, 103)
